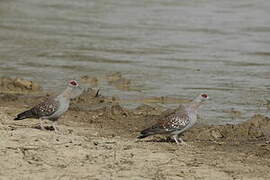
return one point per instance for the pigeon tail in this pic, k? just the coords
(148, 132)
(24, 115)
(141, 136)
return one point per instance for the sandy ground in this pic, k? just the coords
(97, 140)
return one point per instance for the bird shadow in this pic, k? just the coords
(48, 128)
(161, 140)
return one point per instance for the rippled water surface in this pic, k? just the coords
(166, 47)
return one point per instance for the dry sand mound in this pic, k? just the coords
(257, 128)
(20, 85)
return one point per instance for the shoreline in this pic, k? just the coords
(98, 141)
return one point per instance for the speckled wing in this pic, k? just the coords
(167, 122)
(46, 108)
(173, 119)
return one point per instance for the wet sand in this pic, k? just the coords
(98, 141)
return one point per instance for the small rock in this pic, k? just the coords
(24, 84)
(216, 134)
(95, 143)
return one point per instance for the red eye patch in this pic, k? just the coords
(204, 95)
(74, 83)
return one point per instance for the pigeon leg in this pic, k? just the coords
(182, 142)
(55, 126)
(41, 124)
(175, 137)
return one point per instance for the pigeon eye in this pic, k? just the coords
(73, 83)
(204, 95)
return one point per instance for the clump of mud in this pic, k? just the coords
(18, 85)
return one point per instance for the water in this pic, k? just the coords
(167, 47)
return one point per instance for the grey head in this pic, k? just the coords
(201, 98)
(197, 102)
(73, 90)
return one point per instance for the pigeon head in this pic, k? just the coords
(198, 101)
(201, 98)
(74, 89)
